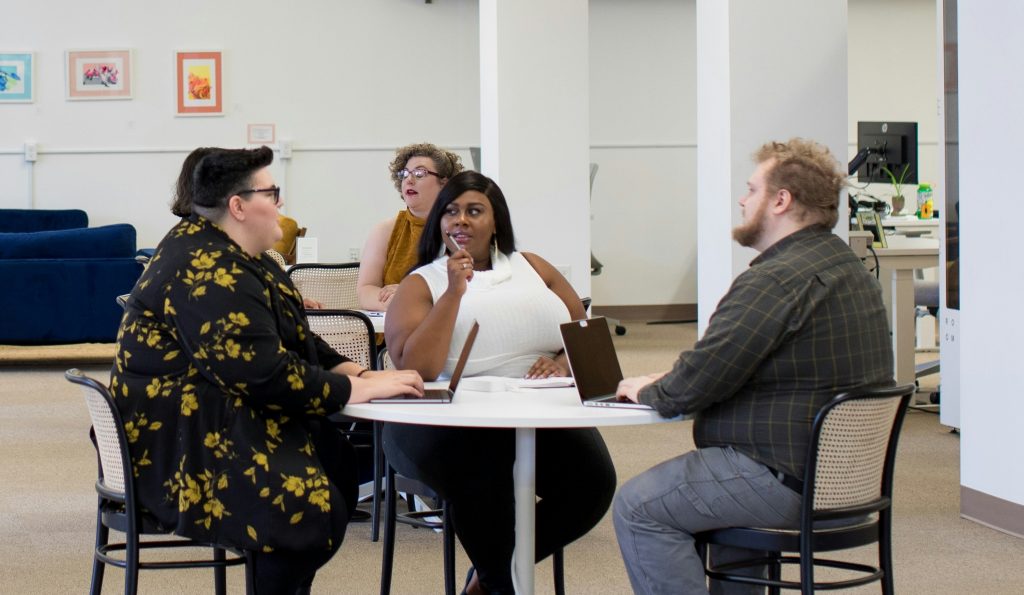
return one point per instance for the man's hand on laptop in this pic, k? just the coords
(382, 384)
(546, 367)
(629, 388)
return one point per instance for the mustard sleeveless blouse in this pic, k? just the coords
(402, 247)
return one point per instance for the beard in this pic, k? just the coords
(749, 233)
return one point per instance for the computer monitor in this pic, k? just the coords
(889, 144)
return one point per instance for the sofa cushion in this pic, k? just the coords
(15, 220)
(108, 241)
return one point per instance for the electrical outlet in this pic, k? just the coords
(31, 150)
(353, 254)
(286, 149)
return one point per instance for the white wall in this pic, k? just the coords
(347, 81)
(991, 276)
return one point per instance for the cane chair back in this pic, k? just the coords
(333, 285)
(846, 500)
(350, 333)
(118, 510)
(277, 257)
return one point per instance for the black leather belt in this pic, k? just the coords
(797, 485)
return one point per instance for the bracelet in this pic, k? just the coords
(361, 372)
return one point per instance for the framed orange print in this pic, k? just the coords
(200, 87)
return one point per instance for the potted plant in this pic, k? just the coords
(898, 201)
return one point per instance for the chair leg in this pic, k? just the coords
(774, 572)
(885, 550)
(220, 573)
(250, 575)
(102, 534)
(131, 558)
(558, 565)
(378, 470)
(448, 531)
(390, 514)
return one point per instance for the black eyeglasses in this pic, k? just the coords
(419, 173)
(276, 190)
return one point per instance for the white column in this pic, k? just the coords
(535, 125)
(765, 71)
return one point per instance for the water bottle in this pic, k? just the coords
(924, 197)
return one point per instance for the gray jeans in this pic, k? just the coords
(657, 512)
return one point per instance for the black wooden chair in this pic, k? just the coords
(847, 499)
(117, 509)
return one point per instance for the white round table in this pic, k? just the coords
(525, 410)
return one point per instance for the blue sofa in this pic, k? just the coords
(62, 283)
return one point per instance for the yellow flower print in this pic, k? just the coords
(189, 494)
(153, 388)
(296, 382)
(212, 440)
(215, 508)
(273, 430)
(189, 403)
(321, 498)
(232, 348)
(239, 318)
(153, 338)
(131, 431)
(225, 279)
(261, 459)
(204, 260)
(294, 485)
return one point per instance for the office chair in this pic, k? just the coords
(848, 480)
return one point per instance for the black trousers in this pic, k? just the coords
(284, 572)
(471, 468)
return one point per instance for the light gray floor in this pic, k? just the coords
(47, 503)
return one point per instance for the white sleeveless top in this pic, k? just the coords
(518, 316)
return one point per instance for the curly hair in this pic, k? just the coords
(446, 163)
(810, 172)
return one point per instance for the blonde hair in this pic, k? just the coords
(446, 163)
(810, 173)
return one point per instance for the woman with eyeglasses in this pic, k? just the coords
(468, 269)
(225, 392)
(419, 172)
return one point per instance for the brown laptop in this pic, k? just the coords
(594, 363)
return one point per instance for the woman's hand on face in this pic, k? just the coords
(385, 383)
(386, 293)
(546, 367)
(460, 271)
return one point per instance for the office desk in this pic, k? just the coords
(897, 264)
(524, 410)
(909, 225)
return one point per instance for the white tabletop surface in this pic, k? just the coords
(377, 318)
(522, 408)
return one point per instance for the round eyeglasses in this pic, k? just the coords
(419, 173)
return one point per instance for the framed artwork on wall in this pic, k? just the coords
(199, 87)
(17, 78)
(99, 74)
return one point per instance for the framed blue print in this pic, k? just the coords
(16, 77)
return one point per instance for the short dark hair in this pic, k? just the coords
(182, 203)
(459, 184)
(222, 173)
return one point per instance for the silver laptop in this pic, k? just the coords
(441, 395)
(593, 362)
